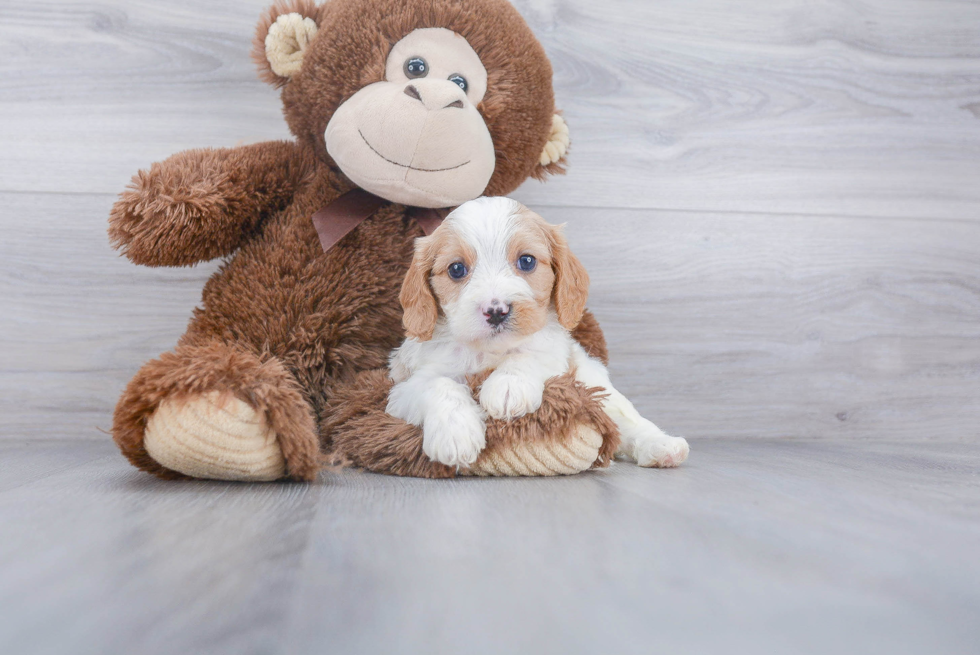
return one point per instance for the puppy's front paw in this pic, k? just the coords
(506, 396)
(660, 450)
(454, 438)
(404, 404)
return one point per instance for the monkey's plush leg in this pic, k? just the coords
(202, 204)
(569, 433)
(219, 412)
(356, 431)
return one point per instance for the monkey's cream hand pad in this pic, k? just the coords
(214, 436)
(417, 137)
(558, 142)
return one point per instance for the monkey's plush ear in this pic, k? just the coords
(283, 34)
(553, 156)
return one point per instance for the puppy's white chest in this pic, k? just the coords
(482, 360)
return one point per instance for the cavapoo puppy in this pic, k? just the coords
(496, 288)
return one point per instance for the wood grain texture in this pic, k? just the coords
(835, 108)
(778, 205)
(777, 202)
(789, 326)
(78, 319)
(719, 325)
(752, 547)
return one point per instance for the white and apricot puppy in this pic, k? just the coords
(496, 288)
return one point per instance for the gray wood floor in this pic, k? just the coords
(756, 546)
(779, 206)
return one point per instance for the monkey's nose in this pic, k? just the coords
(436, 94)
(412, 92)
(497, 314)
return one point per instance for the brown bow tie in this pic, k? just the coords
(337, 219)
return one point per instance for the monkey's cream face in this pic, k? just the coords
(417, 138)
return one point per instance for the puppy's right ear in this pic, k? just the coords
(416, 297)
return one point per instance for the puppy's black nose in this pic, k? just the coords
(497, 314)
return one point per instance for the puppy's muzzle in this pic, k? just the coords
(496, 313)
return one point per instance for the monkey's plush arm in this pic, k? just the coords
(202, 204)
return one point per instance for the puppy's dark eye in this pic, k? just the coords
(457, 270)
(526, 263)
(416, 67)
(459, 80)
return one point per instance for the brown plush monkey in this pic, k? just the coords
(422, 103)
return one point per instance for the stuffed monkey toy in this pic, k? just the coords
(401, 109)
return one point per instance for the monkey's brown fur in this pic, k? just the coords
(291, 329)
(362, 433)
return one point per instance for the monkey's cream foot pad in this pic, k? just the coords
(215, 436)
(574, 455)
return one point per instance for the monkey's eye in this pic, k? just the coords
(416, 67)
(526, 263)
(457, 270)
(460, 80)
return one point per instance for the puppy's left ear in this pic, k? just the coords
(552, 160)
(416, 297)
(571, 289)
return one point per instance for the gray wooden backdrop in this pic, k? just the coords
(779, 202)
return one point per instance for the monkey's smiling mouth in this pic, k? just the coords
(414, 168)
